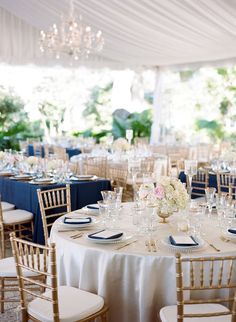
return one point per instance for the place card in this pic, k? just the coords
(183, 241)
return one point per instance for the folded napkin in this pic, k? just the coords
(93, 207)
(182, 241)
(77, 220)
(105, 235)
(232, 230)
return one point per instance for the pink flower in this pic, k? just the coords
(159, 192)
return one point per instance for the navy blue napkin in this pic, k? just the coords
(232, 230)
(173, 242)
(77, 222)
(93, 207)
(114, 236)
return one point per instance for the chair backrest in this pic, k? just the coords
(96, 166)
(38, 149)
(206, 274)
(2, 233)
(53, 204)
(118, 174)
(60, 153)
(226, 183)
(39, 260)
(199, 183)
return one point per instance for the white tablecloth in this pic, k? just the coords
(134, 283)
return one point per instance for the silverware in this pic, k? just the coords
(214, 247)
(65, 230)
(126, 244)
(148, 245)
(76, 235)
(153, 245)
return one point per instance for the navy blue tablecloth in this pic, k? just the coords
(24, 196)
(71, 152)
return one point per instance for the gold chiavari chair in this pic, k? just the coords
(96, 166)
(173, 162)
(226, 183)
(199, 183)
(53, 203)
(60, 153)
(8, 277)
(147, 165)
(18, 220)
(57, 302)
(201, 275)
(118, 174)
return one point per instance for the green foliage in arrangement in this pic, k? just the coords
(14, 122)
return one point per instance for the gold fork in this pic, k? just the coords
(153, 244)
(148, 245)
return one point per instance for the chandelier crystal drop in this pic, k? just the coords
(71, 38)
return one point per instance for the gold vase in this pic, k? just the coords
(163, 217)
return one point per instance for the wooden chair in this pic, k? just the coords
(53, 204)
(96, 166)
(60, 153)
(8, 277)
(226, 183)
(38, 149)
(119, 178)
(18, 220)
(201, 275)
(57, 302)
(173, 163)
(199, 183)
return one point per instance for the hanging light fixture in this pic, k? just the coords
(71, 38)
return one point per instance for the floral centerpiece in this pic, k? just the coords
(167, 196)
(121, 144)
(32, 161)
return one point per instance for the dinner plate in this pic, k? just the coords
(43, 182)
(22, 176)
(200, 245)
(6, 173)
(82, 177)
(95, 205)
(123, 238)
(62, 223)
(231, 235)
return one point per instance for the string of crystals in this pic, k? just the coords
(71, 38)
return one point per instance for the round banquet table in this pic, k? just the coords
(135, 283)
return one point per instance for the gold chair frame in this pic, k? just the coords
(222, 282)
(202, 179)
(226, 184)
(50, 200)
(18, 227)
(27, 257)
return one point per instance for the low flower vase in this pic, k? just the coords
(163, 217)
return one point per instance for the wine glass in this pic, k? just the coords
(129, 135)
(190, 170)
(210, 198)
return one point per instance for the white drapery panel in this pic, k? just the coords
(136, 32)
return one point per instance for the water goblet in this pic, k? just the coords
(210, 198)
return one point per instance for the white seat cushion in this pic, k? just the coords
(6, 206)
(16, 216)
(74, 305)
(169, 313)
(8, 268)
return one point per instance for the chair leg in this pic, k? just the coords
(2, 294)
(104, 318)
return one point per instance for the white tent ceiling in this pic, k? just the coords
(137, 32)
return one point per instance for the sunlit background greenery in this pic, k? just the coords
(197, 105)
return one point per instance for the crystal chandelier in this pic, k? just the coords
(71, 38)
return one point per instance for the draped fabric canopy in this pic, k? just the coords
(137, 32)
